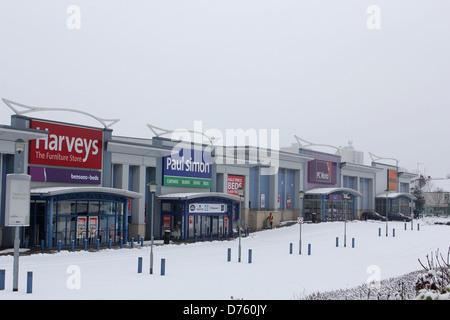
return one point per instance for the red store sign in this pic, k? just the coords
(66, 146)
(233, 183)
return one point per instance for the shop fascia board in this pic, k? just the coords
(137, 149)
(348, 167)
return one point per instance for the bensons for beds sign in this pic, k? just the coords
(188, 168)
(67, 146)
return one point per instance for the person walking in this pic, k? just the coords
(270, 218)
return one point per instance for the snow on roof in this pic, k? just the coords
(394, 195)
(326, 191)
(193, 195)
(53, 191)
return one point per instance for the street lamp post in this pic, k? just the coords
(301, 195)
(18, 168)
(387, 210)
(152, 188)
(346, 197)
(241, 195)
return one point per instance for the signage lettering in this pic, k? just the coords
(67, 146)
(187, 168)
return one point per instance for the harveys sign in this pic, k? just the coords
(66, 146)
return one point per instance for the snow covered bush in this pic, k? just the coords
(434, 284)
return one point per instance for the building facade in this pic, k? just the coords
(88, 184)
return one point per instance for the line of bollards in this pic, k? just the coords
(163, 266)
(29, 280)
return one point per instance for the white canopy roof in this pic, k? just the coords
(396, 195)
(53, 191)
(327, 191)
(193, 195)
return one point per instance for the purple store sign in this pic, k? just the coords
(322, 172)
(65, 175)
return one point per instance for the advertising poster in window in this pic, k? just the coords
(93, 226)
(81, 227)
(166, 222)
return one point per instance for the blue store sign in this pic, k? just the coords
(188, 168)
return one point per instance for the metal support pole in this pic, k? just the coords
(151, 232)
(239, 229)
(16, 260)
(300, 240)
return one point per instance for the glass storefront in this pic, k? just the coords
(184, 224)
(331, 207)
(76, 217)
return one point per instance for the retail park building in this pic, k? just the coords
(87, 183)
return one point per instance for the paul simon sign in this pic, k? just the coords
(66, 146)
(188, 168)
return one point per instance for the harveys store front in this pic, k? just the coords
(71, 195)
(78, 214)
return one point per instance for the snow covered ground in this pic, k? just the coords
(201, 271)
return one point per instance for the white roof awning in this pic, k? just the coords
(327, 191)
(194, 195)
(395, 195)
(53, 191)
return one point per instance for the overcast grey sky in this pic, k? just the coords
(308, 68)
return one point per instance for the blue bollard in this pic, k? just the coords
(132, 240)
(42, 245)
(110, 243)
(121, 243)
(163, 267)
(140, 265)
(353, 242)
(85, 244)
(195, 237)
(142, 241)
(26, 242)
(309, 249)
(73, 245)
(290, 248)
(203, 237)
(393, 232)
(29, 281)
(405, 225)
(249, 255)
(379, 232)
(211, 237)
(59, 245)
(98, 244)
(2, 279)
(139, 238)
(418, 227)
(229, 255)
(218, 236)
(337, 242)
